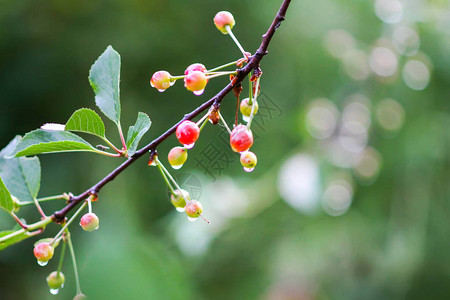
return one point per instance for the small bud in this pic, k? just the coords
(196, 82)
(222, 19)
(161, 80)
(193, 209)
(43, 253)
(241, 139)
(89, 222)
(187, 133)
(55, 281)
(177, 157)
(178, 199)
(214, 117)
(246, 109)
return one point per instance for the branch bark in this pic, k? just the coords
(253, 63)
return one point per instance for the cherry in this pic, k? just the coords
(161, 80)
(43, 252)
(248, 160)
(246, 109)
(222, 19)
(55, 280)
(80, 297)
(196, 82)
(89, 222)
(241, 139)
(193, 209)
(177, 157)
(187, 133)
(195, 67)
(178, 199)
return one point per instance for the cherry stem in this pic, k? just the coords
(230, 32)
(108, 154)
(39, 208)
(174, 78)
(250, 94)
(74, 261)
(203, 118)
(61, 258)
(50, 198)
(165, 177)
(224, 123)
(69, 222)
(233, 63)
(171, 179)
(252, 114)
(89, 201)
(205, 219)
(221, 74)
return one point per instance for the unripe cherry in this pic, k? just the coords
(161, 80)
(222, 19)
(195, 67)
(80, 297)
(178, 199)
(55, 281)
(43, 253)
(177, 157)
(248, 160)
(196, 82)
(241, 139)
(187, 133)
(246, 109)
(89, 222)
(193, 210)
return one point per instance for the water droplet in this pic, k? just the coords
(177, 167)
(96, 227)
(198, 93)
(249, 169)
(42, 263)
(180, 209)
(245, 118)
(161, 90)
(190, 146)
(54, 291)
(151, 83)
(192, 219)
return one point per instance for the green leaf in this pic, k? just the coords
(6, 201)
(22, 176)
(42, 141)
(136, 132)
(104, 78)
(13, 240)
(87, 121)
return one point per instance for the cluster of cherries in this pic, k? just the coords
(196, 77)
(44, 250)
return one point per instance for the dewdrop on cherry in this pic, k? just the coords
(178, 199)
(55, 281)
(248, 160)
(161, 80)
(241, 138)
(187, 133)
(43, 253)
(177, 157)
(223, 19)
(89, 222)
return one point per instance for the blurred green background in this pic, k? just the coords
(350, 198)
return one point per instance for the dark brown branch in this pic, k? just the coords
(216, 100)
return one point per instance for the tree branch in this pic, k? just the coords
(253, 63)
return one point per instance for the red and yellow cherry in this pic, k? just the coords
(43, 253)
(89, 222)
(241, 139)
(161, 80)
(178, 199)
(187, 133)
(222, 19)
(195, 82)
(248, 160)
(177, 157)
